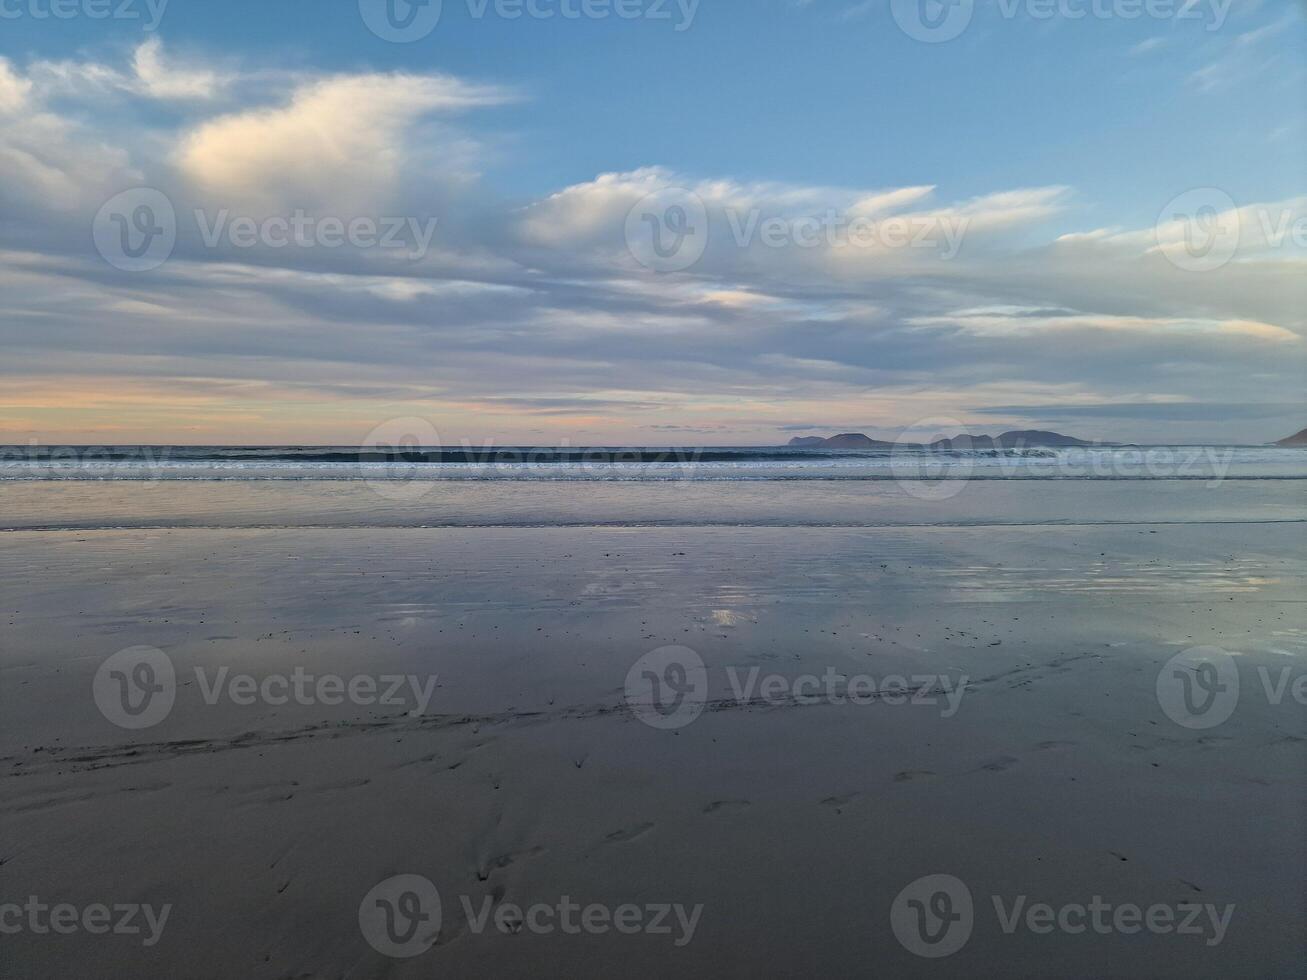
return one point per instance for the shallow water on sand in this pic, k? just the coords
(1043, 764)
(36, 505)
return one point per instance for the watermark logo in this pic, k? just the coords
(302, 687)
(400, 21)
(932, 21)
(935, 21)
(1199, 687)
(95, 919)
(135, 688)
(303, 230)
(400, 917)
(924, 469)
(143, 464)
(405, 21)
(394, 455)
(136, 231)
(837, 230)
(933, 916)
(667, 687)
(150, 11)
(1199, 231)
(667, 231)
(836, 688)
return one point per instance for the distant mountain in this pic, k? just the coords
(1295, 441)
(854, 440)
(1018, 439)
(1008, 440)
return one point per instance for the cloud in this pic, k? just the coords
(162, 80)
(339, 142)
(534, 313)
(149, 74)
(48, 160)
(1002, 322)
(1159, 411)
(14, 89)
(1147, 44)
(787, 228)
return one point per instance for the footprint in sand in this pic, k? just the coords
(719, 805)
(907, 775)
(837, 803)
(629, 834)
(343, 784)
(501, 861)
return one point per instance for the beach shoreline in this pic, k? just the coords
(529, 776)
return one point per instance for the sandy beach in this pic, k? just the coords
(1027, 755)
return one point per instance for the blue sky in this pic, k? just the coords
(1057, 140)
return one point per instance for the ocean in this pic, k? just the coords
(215, 486)
(599, 463)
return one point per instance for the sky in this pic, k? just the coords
(651, 222)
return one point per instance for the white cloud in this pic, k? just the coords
(167, 81)
(14, 89)
(151, 75)
(592, 215)
(338, 143)
(1267, 229)
(48, 160)
(999, 322)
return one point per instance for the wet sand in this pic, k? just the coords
(529, 776)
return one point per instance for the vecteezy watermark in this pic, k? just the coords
(405, 21)
(1199, 687)
(838, 230)
(396, 457)
(667, 688)
(1203, 229)
(1199, 230)
(935, 21)
(137, 688)
(137, 231)
(936, 458)
(95, 919)
(667, 231)
(923, 471)
(833, 687)
(404, 458)
(400, 21)
(141, 464)
(303, 230)
(401, 917)
(150, 11)
(932, 21)
(935, 916)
